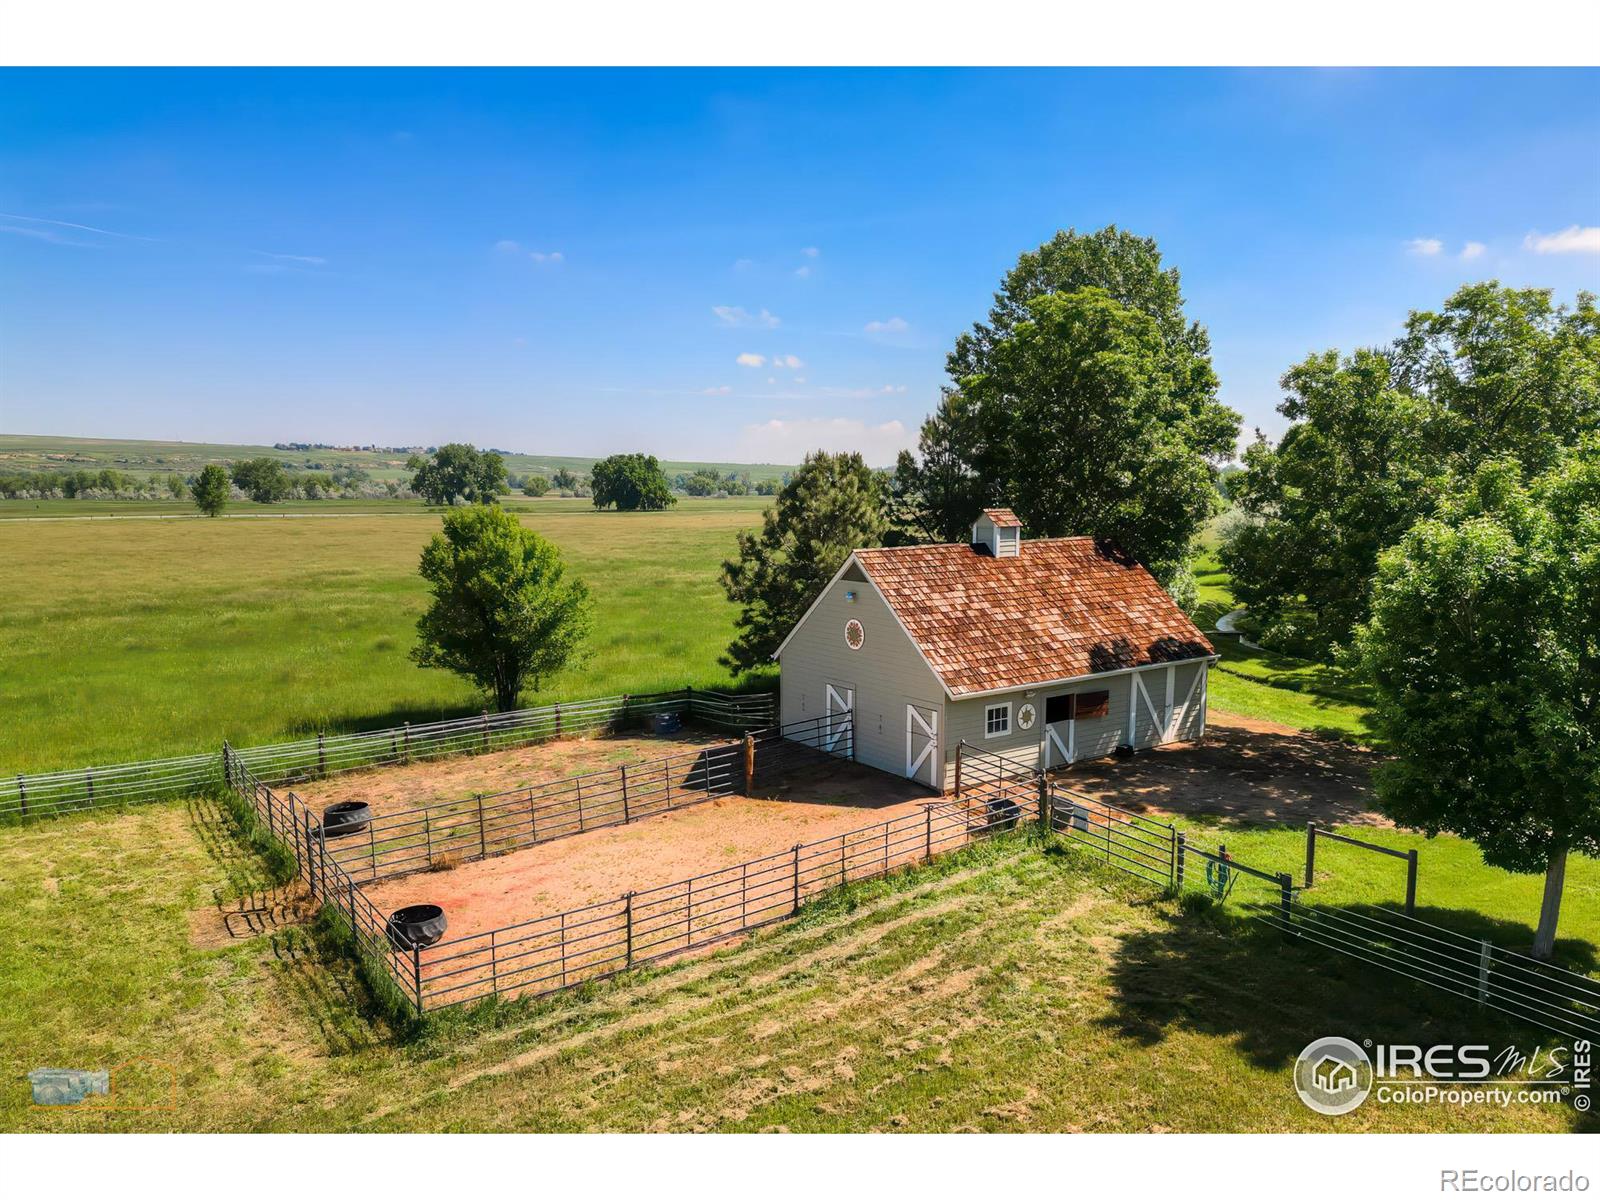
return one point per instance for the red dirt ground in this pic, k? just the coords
(604, 863)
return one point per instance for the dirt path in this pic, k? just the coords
(1244, 770)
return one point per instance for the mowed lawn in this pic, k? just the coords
(132, 639)
(1009, 988)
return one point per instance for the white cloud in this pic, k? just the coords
(309, 259)
(1574, 239)
(1424, 247)
(743, 264)
(892, 325)
(866, 393)
(779, 440)
(1473, 250)
(772, 379)
(716, 391)
(803, 272)
(132, 237)
(811, 252)
(539, 256)
(751, 360)
(736, 317)
(799, 378)
(787, 360)
(507, 246)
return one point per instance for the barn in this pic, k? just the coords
(1045, 650)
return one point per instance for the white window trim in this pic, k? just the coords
(1006, 732)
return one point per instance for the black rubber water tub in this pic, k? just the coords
(416, 925)
(346, 817)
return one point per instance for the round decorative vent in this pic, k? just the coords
(854, 635)
(1025, 717)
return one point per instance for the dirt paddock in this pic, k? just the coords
(396, 789)
(1244, 770)
(602, 864)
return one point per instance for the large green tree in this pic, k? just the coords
(263, 479)
(211, 490)
(1483, 649)
(833, 504)
(632, 482)
(504, 612)
(458, 471)
(1347, 479)
(1375, 437)
(995, 436)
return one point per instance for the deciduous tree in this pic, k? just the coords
(1483, 649)
(262, 479)
(211, 490)
(631, 482)
(504, 611)
(458, 471)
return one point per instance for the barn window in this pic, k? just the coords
(1058, 709)
(996, 720)
(1093, 704)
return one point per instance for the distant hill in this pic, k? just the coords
(23, 453)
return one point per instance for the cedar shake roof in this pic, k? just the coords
(1063, 608)
(1002, 517)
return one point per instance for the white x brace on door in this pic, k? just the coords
(838, 713)
(922, 744)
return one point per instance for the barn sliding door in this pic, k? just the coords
(838, 712)
(922, 744)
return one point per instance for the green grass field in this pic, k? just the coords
(1012, 987)
(26, 453)
(135, 639)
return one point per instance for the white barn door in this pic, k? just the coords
(922, 744)
(837, 717)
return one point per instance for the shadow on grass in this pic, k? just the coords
(1210, 971)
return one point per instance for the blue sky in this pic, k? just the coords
(586, 262)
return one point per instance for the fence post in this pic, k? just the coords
(322, 757)
(372, 848)
(1311, 851)
(494, 966)
(22, 791)
(1180, 844)
(628, 915)
(1286, 902)
(749, 763)
(483, 845)
(959, 747)
(1485, 961)
(405, 754)
(625, 813)
(1172, 869)
(416, 966)
(427, 837)
(666, 780)
(796, 908)
(558, 720)
(89, 779)
(1044, 803)
(1411, 882)
(927, 832)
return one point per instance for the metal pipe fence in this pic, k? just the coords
(59, 793)
(597, 941)
(478, 827)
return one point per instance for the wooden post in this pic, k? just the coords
(1485, 961)
(1411, 883)
(22, 791)
(1311, 852)
(1179, 846)
(1286, 902)
(749, 764)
